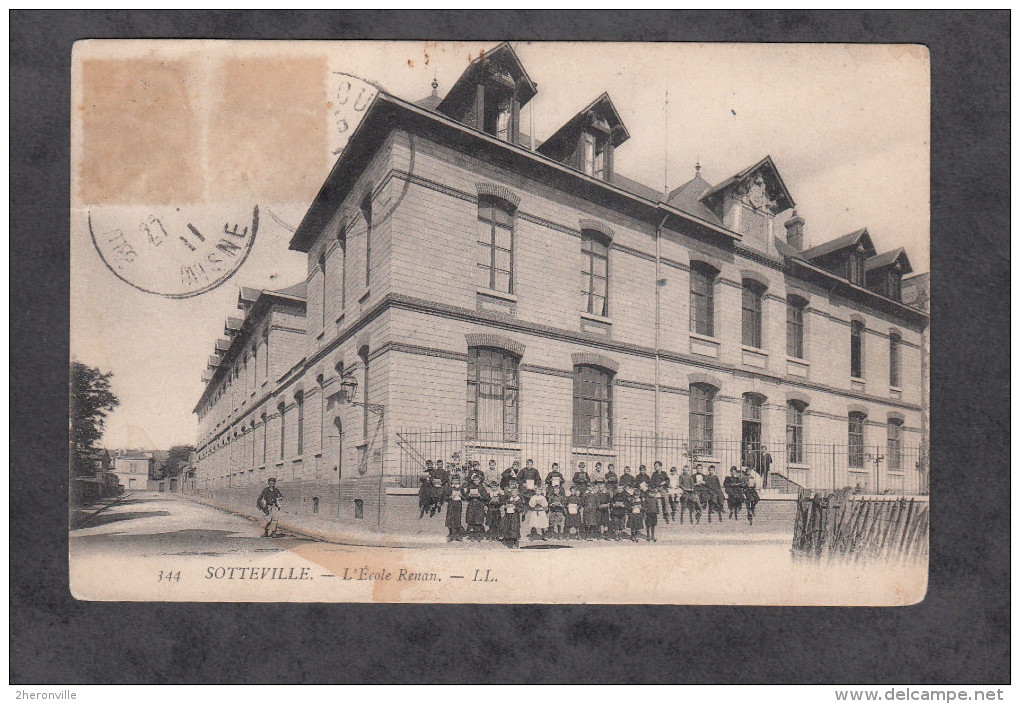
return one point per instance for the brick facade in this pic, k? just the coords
(420, 308)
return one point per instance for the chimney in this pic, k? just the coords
(795, 232)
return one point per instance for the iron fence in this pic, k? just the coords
(867, 469)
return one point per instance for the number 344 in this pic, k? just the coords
(169, 576)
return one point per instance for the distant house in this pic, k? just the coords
(134, 470)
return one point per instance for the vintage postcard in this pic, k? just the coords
(499, 322)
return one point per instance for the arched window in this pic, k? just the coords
(894, 359)
(322, 286)
(893, 454)
(495, 244)
(750, 313)
(703, 298)
(795, 432)
(283, 427)
(321, 383)
(857, 349)
(593, 406)
(366, 213)
(855, 440)
(299, 399)
(265, 437)
(493, 390)
(702, 418)
(795, 306)
(595, 275)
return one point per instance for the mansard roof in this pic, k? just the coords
(503, 58)
(688, 198)
(601, 108)
(846, 241)
(773, 181)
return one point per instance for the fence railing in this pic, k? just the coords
(867, 469)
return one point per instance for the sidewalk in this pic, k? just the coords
(328, 530)
(767, 530)
(82, 515)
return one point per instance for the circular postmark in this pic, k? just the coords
(168, 253)
(351, 99)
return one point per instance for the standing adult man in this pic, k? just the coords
(269, 503)
(764, 466)
(660, 487)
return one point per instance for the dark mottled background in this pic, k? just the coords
(959, 634)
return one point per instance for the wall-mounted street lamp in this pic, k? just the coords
(349, 392)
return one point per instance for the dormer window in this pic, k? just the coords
(499, 116)
(855, 267)
(593, 155)
(893, 283)
(587, 141)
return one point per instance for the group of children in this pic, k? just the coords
(519, 503)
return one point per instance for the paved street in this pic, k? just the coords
(149, 524)
(157, 547)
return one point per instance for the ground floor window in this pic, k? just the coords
(493, 392)
(593, 407)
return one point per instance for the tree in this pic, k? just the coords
(172, 465)
(91, 401)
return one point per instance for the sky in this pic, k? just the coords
(200, 132)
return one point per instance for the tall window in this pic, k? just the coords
(322, 286)
(892, 444)
(894, 360)
(795, 432)
(750, 313)
(795, 326)
(855, 268)
(493, 389)
(265, 439)
(364, 393)
(503, 115)
(751, 427)
(857, 349)
(855, 440)
(588, 153)
(283, 428)
(703, 299)
(495, 244)
(321, 382)
(593, 406)
(299, 399)
(366, 212)
(894, 285)
(702, 402)
(595, 276)
(343, 274)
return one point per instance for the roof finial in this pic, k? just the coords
(697, 167)
(435, 85)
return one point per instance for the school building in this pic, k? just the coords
(471, 291)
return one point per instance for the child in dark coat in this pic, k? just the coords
(650, 504)
(477, 499)
(513, 507)
(454, 511)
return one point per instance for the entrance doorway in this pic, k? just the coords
(751, 430)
